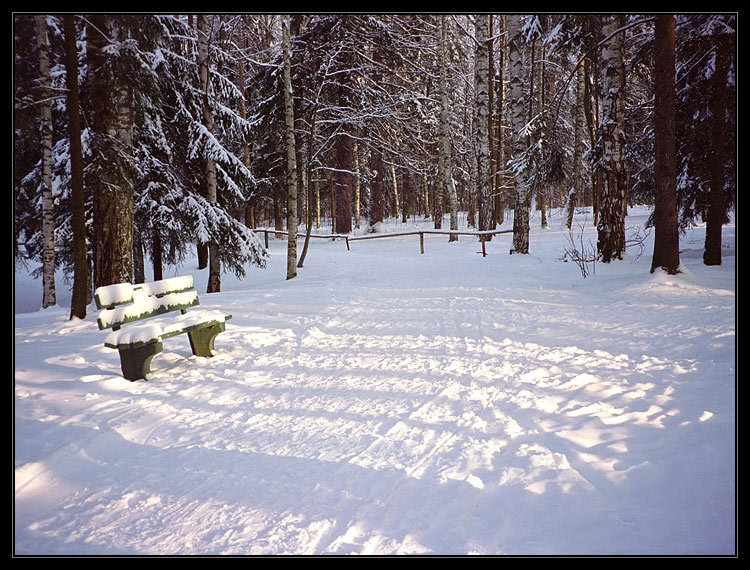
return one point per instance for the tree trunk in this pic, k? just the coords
(49, 297)
(447, 192)
(576, 190)
(312, 188)
(426, 187)
(124, 135)
(344, 183)
(666, 232)
(78, 223)
(357, 187)
(394, 182)
(156, 256)
(214, 266)
(139, 264)
(111, 149)
(716, 213)
(376, 187)
(522, 204)
(291, 154)
(611, 223)
(500, 136)
(481, 82)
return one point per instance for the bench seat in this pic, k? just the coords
(157, 329)
(124, 304)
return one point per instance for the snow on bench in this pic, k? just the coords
(124, 303)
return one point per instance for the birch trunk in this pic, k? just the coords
(517, 119)
(214, 266)
(500, 135)
(611, 223)
(357, 187)
(49, 297)
(291, 154)
(376, 186)
(394, 181)
(448, 189)
(482, 85)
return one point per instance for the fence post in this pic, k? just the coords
(421, 243)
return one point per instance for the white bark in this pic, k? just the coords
(611, 224)
(445, 140)
(518, 144)
(291, 156)
(49, 297)
(482, 89)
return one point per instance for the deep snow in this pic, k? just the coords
(387, 402)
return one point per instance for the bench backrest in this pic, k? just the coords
(124, 303)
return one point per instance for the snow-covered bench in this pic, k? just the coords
(138, 343)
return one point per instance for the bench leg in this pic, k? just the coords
(136, 362)
(202, 340)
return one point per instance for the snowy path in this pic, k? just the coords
(394, 404)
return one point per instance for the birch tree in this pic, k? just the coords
(611, 223)
(517, 121)
(291, 150)
(482, 130)
(445, 159)
(49, 297)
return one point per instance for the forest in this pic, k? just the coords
(141, 137)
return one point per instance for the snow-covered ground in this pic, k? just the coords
(387, 402)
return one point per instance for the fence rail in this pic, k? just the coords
(421, 233)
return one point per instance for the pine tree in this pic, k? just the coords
(78, 222)
(716, 203)
(109, 173)
(666, 237)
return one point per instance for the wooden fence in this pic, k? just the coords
(421, 233)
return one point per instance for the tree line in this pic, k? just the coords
(139, 137)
